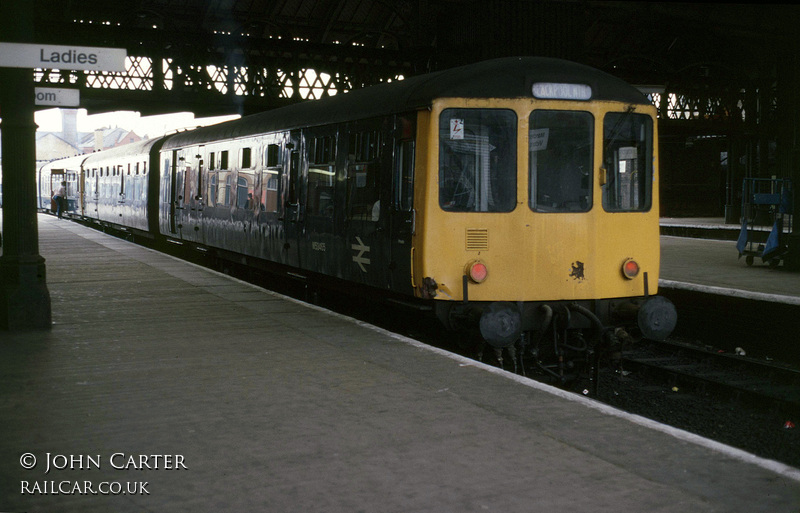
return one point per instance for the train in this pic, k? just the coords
(516, 198)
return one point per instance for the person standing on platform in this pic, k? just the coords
(60, 198)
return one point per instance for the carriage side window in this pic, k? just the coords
(127, 184)
(363, 169)
(245, 158)
(321, 176)
(270, 177)
(272, 157)
(223, 181)
(627, 172)
(560, 148)
(246, 183)
(223, 188)
(211, 195)
(137, 188)
(477, 160)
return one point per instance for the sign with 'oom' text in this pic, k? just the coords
(24, 55)
(57, 97)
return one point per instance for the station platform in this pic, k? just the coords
(723, 301)
(163, 386)
(706, 258)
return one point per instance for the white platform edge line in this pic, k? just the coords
(732, 452)
(723, 291)
(738, 454)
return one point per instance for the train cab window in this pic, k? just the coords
(477, 160)
(560, 149)
(627, 171)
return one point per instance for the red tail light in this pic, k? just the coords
(630, 269)
(477, 271)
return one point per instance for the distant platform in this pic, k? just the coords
(705, 228)
(722, 301)
(701, 227)
(714, 266)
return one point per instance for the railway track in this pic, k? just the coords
(747, 403)
(758, 383)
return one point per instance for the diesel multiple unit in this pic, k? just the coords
(516, 196)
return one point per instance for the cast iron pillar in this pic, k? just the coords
(24, 298)
(788, 73)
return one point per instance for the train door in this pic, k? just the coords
(192, 196)
(92, 191)
(318, 245)
(293, 202)
(168, 187)
(123, 199)
(365, 216)
(56, 177)
(82, 196)
(177, 198)
(74, 186)
(269, 205)
(401, 212)
(244, 232)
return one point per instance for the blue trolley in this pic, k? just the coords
(765, 202)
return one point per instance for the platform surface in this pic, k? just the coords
(715, 266)
(272, 405)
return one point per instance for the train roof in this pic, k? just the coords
(134, 148)
(510, 77)
(68, 163)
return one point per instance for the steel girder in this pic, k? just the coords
(226, 74)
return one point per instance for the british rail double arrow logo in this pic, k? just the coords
(359, 259)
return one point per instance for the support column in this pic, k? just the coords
(788, 72)
(24, 298)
